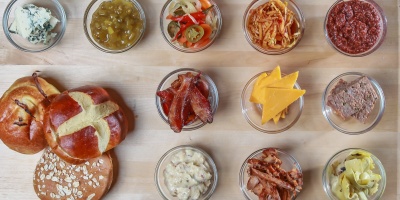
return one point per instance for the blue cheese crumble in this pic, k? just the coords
(34, 23)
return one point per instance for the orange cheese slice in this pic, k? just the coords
(257, 94)
(286, 82)
(275, 100)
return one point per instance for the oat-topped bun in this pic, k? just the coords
(83, 123)
(22, 109)
(56, 179)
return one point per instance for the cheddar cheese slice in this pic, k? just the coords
(277, 117)
(286, 82)
(275, 100)
(257, 93)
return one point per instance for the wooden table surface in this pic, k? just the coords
(132, 78)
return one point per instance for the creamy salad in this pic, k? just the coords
(188, 175)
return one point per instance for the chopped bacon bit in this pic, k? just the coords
(269, 181)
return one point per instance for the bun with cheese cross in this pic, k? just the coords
(83, 123)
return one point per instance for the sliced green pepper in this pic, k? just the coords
(173, 28)
(194, 33)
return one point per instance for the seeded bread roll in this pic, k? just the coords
(22, 108)
(83, 123)
(56, 179)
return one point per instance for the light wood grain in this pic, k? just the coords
(132, 78)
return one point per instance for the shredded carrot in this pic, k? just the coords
(205, 4)
(207, 33)
(182, 39)
(273, 25)
(202, 43)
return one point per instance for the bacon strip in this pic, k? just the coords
(175, 115)
(201, 106)
(166, 97)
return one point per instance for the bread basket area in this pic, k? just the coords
(106, 104)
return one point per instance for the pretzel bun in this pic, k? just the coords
(56, 179)
(22, 109)
(83, 123)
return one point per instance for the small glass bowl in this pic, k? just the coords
(166, 159)
(171, 77)
(288, 162)
(23, 44)
(352, 126)
(340, 156)
(164, 30)
(380, 39)
(87, 19)
(253, 112)
(298, 14)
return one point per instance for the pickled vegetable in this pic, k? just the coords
(116, 24)
(353, 179)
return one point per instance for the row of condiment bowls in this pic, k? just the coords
(288, 163)
(59, 12)
(252, 111)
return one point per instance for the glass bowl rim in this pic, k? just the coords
(379, 91)
(302, 22)
(208, 158)
(242, 103)
(243, 168)
(210, 83)
(86, 24)
(338, 153)
(63, 24)
(378, 42)
(187, 50)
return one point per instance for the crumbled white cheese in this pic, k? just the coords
(34, 23)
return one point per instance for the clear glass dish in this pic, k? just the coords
(352, 126)
(87, 19)
(252, 112)
(340, 156)
(381, 36)
(288, 162)
(23, 44)
(166, 159)
(164, 24)
(171, 77)
(298, 14)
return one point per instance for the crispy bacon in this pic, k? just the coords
(280, 183)
(191, 110)
(166, 97)
(203, 87)
(201, 106)
(252, 183)
(176, 113)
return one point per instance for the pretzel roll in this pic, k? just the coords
(55, 179)
(83, 123)
(22, 109)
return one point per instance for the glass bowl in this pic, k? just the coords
(171, 77)
(164, 24)
(288, 162)
(166, 159)
(352, 126)
(23, 44)
(340, 156)
(298, 14)
(87, 19)
(253, 112)
(380, 39)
